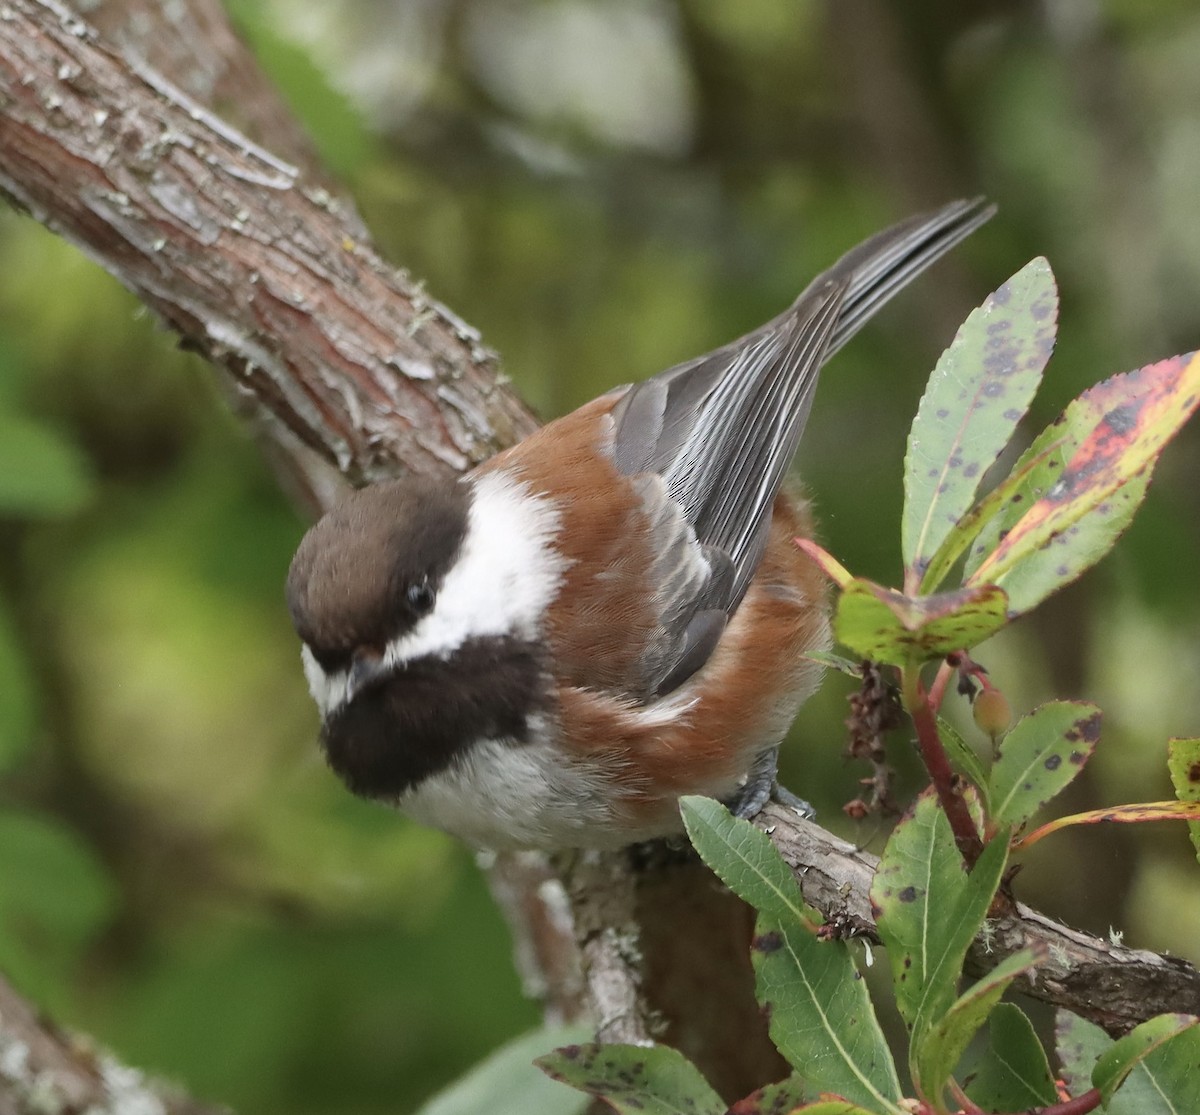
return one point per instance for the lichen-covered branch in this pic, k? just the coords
(259, 269)
(44, 1070)
(1113, 986)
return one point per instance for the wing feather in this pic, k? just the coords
(720, 431)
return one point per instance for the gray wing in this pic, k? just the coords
(721, 430)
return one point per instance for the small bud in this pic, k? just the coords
(992, 713)
(857, 809)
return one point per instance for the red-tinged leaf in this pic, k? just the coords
(978, 392)
(1183, 761)
(828, 564)
(1076, 549)
(1119, 814)
(886, 626)
(986, 521)
(1134, 416)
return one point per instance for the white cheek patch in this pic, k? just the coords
(328, 690)
(506, 574)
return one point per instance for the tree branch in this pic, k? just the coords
(42, 1069)
(1113, 986)
(257, 269)
(195, 45)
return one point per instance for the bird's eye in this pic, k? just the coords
(419, 596)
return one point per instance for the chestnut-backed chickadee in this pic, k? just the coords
(550, 650)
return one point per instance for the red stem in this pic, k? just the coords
(1080, 1105)
(966, 1106)
(937, 691)
(933, 754)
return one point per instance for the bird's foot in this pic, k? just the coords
(761, 786)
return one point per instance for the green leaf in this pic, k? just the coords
(508, 1082)
(17, 709)
(1013, 1073)
(41, 473)
(744, 859)
(1164, 1083)
(1078, 1045)
(886, 626)
(938, 1049)
(1118, 429)
(978, 392)
(1183, 761)
(986, 520)
(1135, 1047)
(1040, 757)
(635, 1079)
(964, 757)
(780, 1099)
(821, 1016)
(928, 909)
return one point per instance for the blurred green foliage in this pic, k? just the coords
(178, 873)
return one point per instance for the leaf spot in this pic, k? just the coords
(768, 942)
(1122, 419)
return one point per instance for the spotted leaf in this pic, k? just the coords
(978, 392)
(1129, 420)
(635, 1079)
(928, 909)
(1040, 757)
(886, 626)
(1183, 761)
(821, 1017)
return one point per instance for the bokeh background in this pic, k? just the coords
(604, 187)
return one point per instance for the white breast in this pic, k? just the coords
(503, 795)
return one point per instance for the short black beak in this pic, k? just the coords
(365, 667)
